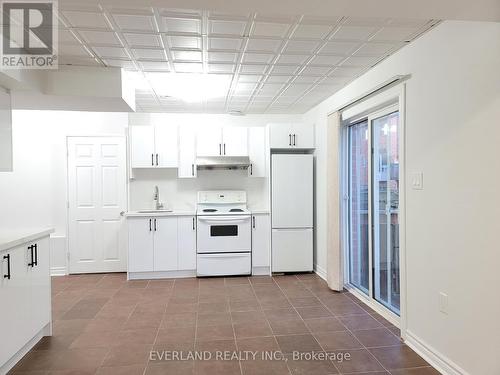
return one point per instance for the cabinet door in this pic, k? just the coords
(261, 240)
(166, 146)
(187, 153)
(15, 294)
(302, 136)
(257, 152)
(209, 141)
(292, 250)
(40, 286)
(235, 141)
(165, 243)
(280, 135)
(140, 244)
(186, 237)
(142, 146)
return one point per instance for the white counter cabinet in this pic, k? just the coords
(261, 244)
(25, 296)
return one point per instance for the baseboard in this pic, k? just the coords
(261, 271)
(321, 272)
(440, 362)
(58, 271)
(160, 275)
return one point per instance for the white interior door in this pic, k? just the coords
(97, 193)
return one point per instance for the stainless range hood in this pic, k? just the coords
(223, 162)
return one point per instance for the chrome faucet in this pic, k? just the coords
(156, 198)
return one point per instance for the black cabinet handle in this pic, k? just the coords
(36, 255)
(150, 225)
(220, 149)
(193, 224)
(192, 169)
(152, 159)
(224, 149)
(8, 266)
(294, 139)
(253, 222)
(155, 225)
(251, 169)
(156, 159)
(32, 263)
(289, 139)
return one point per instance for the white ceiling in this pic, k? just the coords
(275, 64)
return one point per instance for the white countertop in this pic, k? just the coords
(159, 213)
(10, 238)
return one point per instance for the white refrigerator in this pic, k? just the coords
(292, 212)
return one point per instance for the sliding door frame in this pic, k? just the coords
(388, 101)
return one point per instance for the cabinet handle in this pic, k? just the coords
(289, 139)
(36, 255)
(253, 222)
(156, 159)
(155, 225)
(251, 169)
(32, 263)
(8, 266)
(150, 225)
(224, 149)
(194, 228)
(294, 139)
(152, 159)
(220, 149)
(192, 169)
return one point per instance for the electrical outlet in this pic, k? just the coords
(417, 180)
(443, 302)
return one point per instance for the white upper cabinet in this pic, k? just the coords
(291, 136)
(229, 141)
(235, 141)
(153, 146)
(257, 151)
(187, 152)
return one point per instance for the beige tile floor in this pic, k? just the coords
(104, 324)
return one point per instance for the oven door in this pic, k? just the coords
(224, 234)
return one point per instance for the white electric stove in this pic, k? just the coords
(224, 234)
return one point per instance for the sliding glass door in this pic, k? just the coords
(373, 209)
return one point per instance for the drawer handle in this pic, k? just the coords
(8, 266)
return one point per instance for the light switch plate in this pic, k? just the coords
(417, 181)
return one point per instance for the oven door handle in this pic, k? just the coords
(225, 219)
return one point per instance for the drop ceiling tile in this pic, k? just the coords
(245, 87)
(296, 89)
(305, 79)
(194, 56)
(125, 64)
(311, 31)
(285, 100)
(278, 78)
(315, 70)
(228, 44)
(142, 40)
(357, 60)
(111, 52)
(270, 29)
(229, 57)
(253, 68)
(86, 19)
(408, 22)
(65, 36)
(347, 71)
(78, 60)
(154, 66)
(292, 59)
(355, 32)
(227, 27)
(339, 48)
(249, 78)
(366, 21)
(221, 68)
(148, 54)
(376, 48)
(188, 67)
(395, 33)
(264, 45)
(284, 69)
(134, 22)
(329, 60)
(270, 87)
(263, 58)
(100, 37)
(182, 25)
(305, 46)
(182, 42)
(73, 50)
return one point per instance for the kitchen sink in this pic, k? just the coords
(153, 211)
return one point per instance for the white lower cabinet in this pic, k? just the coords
(292, 250)
(161, 244)
(261, 244)
(25, 295)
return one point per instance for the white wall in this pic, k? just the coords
(453, 137)
(181, 193)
